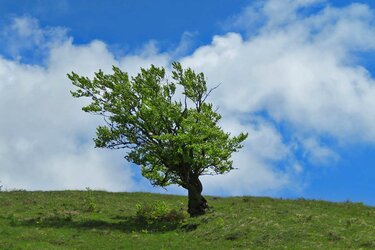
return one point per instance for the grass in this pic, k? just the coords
(102, 220)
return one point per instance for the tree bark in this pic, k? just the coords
(197, 204)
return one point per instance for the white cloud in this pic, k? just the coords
(256, 173)
(45, 140)
(23, 35)
(149, 54)
(268, 14)
(304, 74)
(317, 153)
(253, 177)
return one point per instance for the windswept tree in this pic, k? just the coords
(174, 138)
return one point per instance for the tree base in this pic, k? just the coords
(197, 206)
(197, 203)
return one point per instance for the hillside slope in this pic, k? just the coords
(102, 220)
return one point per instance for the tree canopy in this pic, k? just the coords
(166, 125)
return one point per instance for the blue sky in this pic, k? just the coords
(298, 76)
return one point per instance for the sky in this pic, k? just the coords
(297, 75)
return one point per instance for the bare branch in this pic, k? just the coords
(209, 92)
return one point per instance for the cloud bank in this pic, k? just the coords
(291, 80)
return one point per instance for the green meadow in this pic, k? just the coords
(103, 220)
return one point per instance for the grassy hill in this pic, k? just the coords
(102, 220)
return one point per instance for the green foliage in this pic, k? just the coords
(89, 201)
(158, 212)
(171, 139)
(56, 220)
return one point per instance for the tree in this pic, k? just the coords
(174, 141)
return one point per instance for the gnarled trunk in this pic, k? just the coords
(197, 204)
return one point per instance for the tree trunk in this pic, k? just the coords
(197, 203)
